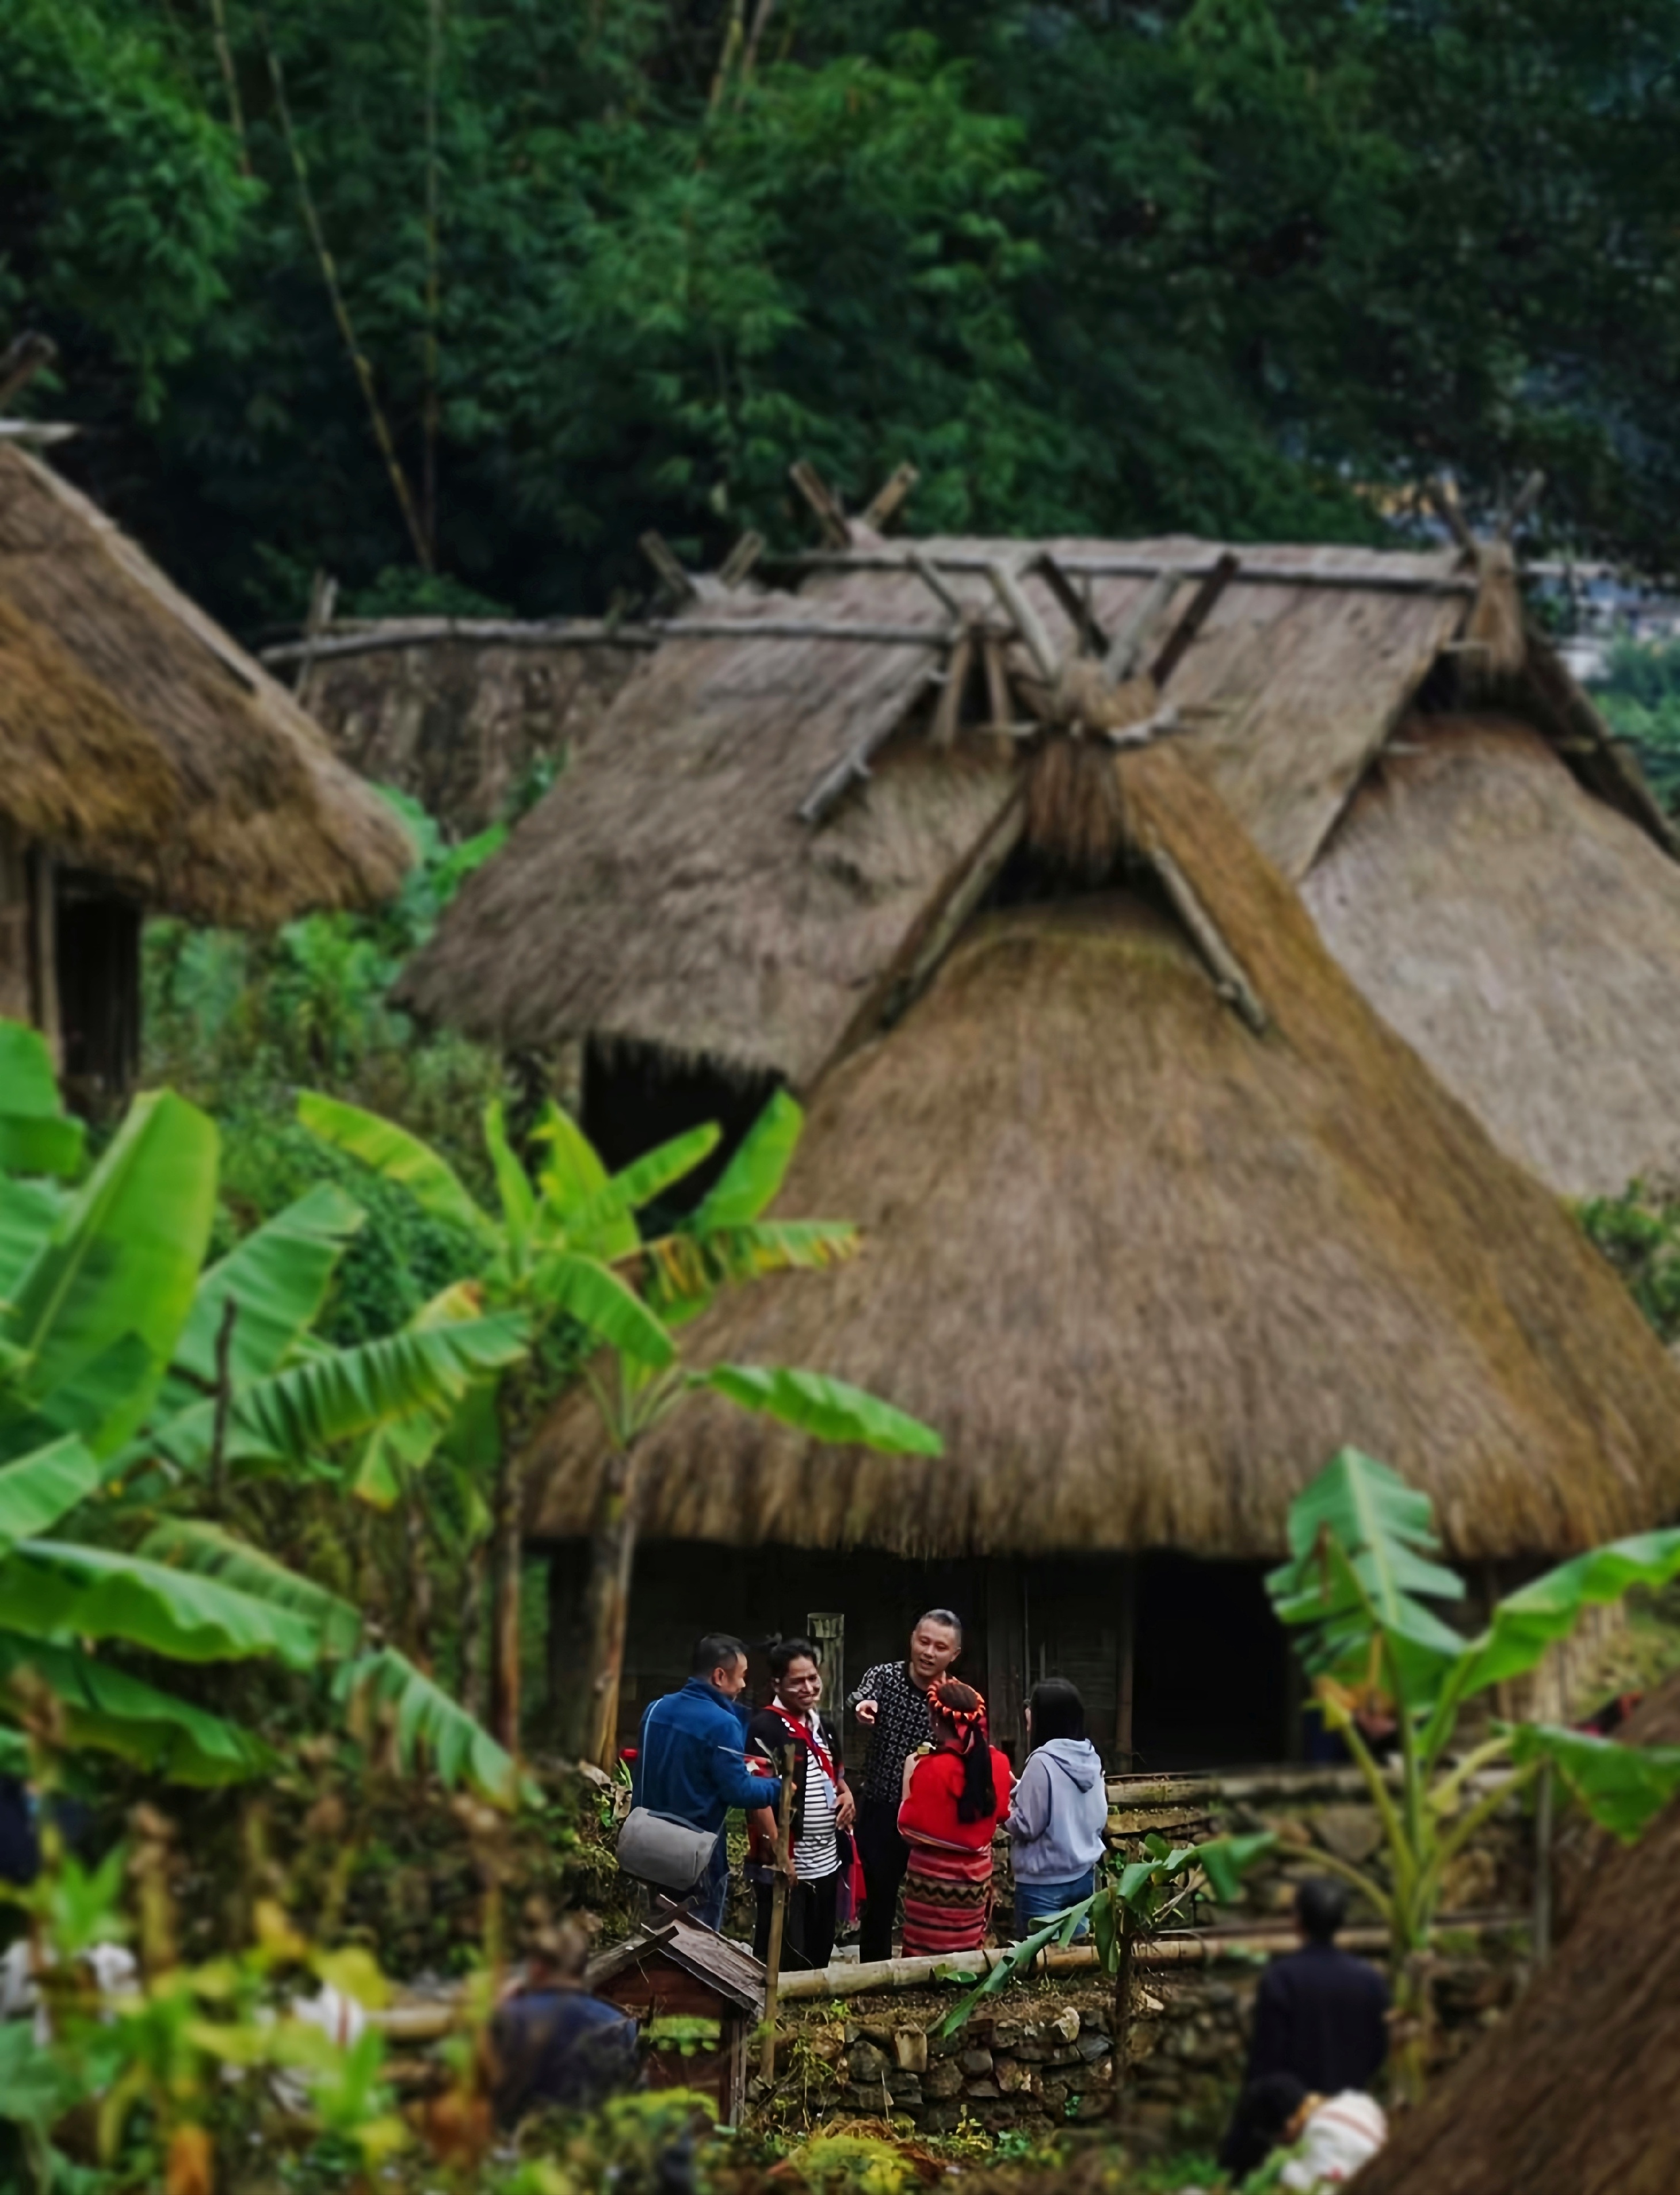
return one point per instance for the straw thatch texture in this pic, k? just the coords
(1578, 2092)
(667, 893)
(243, 815)
(1145, 1270)
(1525, 937)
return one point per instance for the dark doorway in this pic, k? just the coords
(98, 987)
(636, 1098)
(1213, 1671)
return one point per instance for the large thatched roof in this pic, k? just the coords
(137, 739)
(1144, 1266)
(1578, 2092)
(1524, 935)
(668, 892)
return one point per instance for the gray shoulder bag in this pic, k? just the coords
(671, 1855)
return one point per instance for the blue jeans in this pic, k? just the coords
(711, 1898)
(1035, 1902)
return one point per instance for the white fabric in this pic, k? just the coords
(1341, 2136)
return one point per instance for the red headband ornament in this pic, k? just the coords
(969, 1722)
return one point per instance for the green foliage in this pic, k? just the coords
(1639, 1233)
(111, 1337)
(1354, 1593)
(1639, 695)
(1206, 265)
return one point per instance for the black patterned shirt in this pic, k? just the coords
(901, 1725)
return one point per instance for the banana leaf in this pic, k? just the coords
(58, 1592)
(122, 1258)
(832, 1410)
(29, 1212)
(1622, 1786)
(292, 1416)
(278, 1278)
(205, 1550)
(37, 1136)
(105, 1707)
(513, 1184)
(591, 1293)
(392, 1152)
(751, 1181)
(40, 1489)
(429, 1721)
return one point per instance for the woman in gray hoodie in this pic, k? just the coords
(1060, 1811)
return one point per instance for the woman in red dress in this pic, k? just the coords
(955, 1795)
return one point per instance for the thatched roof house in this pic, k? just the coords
(1324, 695)
(1159, 1210)
(1578, 2091)
(146, 763)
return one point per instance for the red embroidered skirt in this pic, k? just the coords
(947, 1901)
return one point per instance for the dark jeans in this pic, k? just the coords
(807, 1930)
(885, 1856)
(707, 1902)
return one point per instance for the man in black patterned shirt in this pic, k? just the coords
(891, 1703)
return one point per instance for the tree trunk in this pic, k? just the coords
(591, 1718)
(472, 1632)
(507, 1540)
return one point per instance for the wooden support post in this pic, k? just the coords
(673, 578)
(837, 531)
(323, 599)
(1544, 1807)
(23, 358)
(1000, 702)
(948, 709)
(1444, 495)
(887, 503)
(928, 575)
(47, 1015)
(1176, 646)
(741, 559)
(1131, 642)
(1522, 510)
(772, 1964)
(1006, 586)
(1226, 969)
(1092, 640)
(1126, 1671)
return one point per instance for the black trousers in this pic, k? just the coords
(885, 1856)
(807, 1927)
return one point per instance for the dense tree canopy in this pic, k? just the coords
(1244, 266)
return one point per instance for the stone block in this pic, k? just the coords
(1066, 2023)
(866, 2059)
(904, 2089)
(1096, 2045)
(942, 2118)
(1005, 2034)
(985, 2091)
(1053, 2095)
(976, 2063)
(910, 2047)
(1012, 2076)
(1032, 2050)
(943, 2077)
(1095, 2023)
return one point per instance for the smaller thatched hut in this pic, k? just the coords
(1578, 2092)
(146, 763)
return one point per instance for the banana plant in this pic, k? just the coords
(566, 1246)
(123, 1366)
(1357, 1589)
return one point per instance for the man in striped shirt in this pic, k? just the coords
(891, 1703)
(822, 1807)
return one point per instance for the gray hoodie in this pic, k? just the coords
(1059, 1812)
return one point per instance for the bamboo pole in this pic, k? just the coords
(772, 1964)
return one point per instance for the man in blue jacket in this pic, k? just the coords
(692, 1763)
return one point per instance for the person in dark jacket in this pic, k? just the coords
(891, 1702)
(552, 2046)
(822, 1809)
(692, 1763)
(1321, 2014)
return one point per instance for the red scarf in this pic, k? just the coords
(808, 1739)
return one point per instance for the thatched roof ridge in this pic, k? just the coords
(1145, 1268)
(1578, 2091)
(1524, 935)
(666, 892)
(243, 815)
